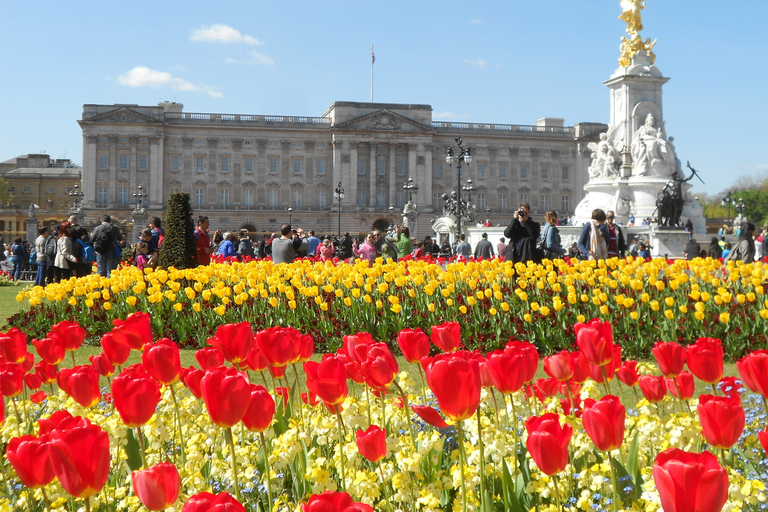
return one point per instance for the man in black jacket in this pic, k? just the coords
(617, 245)
(104, 239)
(523, 233)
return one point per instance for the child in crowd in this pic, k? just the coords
(142, 260)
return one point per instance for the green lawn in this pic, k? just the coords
(8, 304)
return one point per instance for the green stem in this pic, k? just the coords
(605, 381)
(341, 452)
(141, 446)
(482, 458)
(368, 404)
(407, 411)
(462, 459)
(16, 410)
(679, 399)
(570, 397)
(495, 407)
(46, 499)
(266, 469)
(231, 442)
(384, 486)
(74, 363)
(298, 392)
(88, 504)
(557, 492)
(383, 411)
(423, 382)
(178, 423)
(514, 433)
(615, 484)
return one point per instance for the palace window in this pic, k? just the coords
(401, 168)
(199, 196)
(321, 198)
(143, 160)
(273, 197)
(174, 163)
(361, 167)
(102, 195)
(225, 164)
(273, 162)
(122, 195)
(224, 197)
(248, 197)
(123, 161)
(502, 171)
(200, 163)
(321, 166)
(103, 162)
(249, 165)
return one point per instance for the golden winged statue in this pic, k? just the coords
(630, 13)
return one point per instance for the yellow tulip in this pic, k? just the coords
(699, 315)
(107, 306)
(178, 306)
(220, 309)
(196, 307)
(379, 304)
(544, 311)
(493, 311)
(581, 319)
(431, 307)
(669, 314)
(131, 300)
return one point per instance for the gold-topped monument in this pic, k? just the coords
(631, 46)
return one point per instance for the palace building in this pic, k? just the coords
(245, 171)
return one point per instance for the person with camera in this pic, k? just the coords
(291, 241)
(523, 233)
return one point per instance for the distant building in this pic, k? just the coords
(245, 171)
(36, 179)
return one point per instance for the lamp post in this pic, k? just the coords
(290, 216)
(391, 213)
(139, 196)
(411, 188)
(458, 154)
(75, 199)
(728, 200)
(741, 207)
(338, 195)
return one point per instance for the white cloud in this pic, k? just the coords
(142, 76)
(478, 63)
(219, 33)
(476, 21)
(254, 59)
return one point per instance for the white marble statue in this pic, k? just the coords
(606, 158)
(651, 153)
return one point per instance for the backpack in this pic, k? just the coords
(33, 256)
(102, 243)
(245, 248)
(87, 249)
(50, 247)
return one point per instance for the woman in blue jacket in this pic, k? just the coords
(227, 246)
(593, 241)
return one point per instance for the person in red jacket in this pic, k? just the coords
(204, 245)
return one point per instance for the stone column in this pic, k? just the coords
(373, 146)
(392, 169)
(155, 163)
(90, 167)
(31, 227)
(113, 164)
(140, 221)
(426, 195)
(351, 158)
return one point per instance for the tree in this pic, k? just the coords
(3, 192)
(179, 249)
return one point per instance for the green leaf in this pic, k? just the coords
(132, 451)
(511, 502)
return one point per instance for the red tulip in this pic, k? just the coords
(530, 357)
(628, 374)
(191, 378)
(446, 336)
(705, 359)
(731, 386)
(547, 387)
(35, 398)
(28, 363)
(306, 348)
(559, 366)
(80, 459)
(604, 422)
(256, 361)
(226, 394)
(30, 457)
(372, 443)
(684, 383)
(430, 415)
(653, 388)
(506, 371)
(332, 501)
(13, 345)
(284, 393)
(134, 332)
(414, 344)
(116, 353)
(355, 346)
(61, 421)
(762, 436)
(606, 372)
(50, 350)
(81, 383)
(46, 372)
(261, 410)
(234, 341)
(162, 361)
(327, 379)
(595, 340)
(690, 482)
(280, 345)
(136, 395)
(548, 442)
(670, 357)
(157, 487)
(33, 382)
(69, 334)
(380, 367)
(209, 357)
(753, 369)
(722, 420)
(11, 379)
(455, 382)
(310, 399)
(102, 365)
(207, 502)
(580, 367)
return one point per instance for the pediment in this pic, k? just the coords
(383, 120)
(122, 115)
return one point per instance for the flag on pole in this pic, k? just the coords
(373, 57)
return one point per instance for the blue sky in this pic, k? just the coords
(510, 61)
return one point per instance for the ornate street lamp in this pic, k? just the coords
(139, 196)
(728, 200)
(458, 154)
(75, 199)
(391, 213)
(290, 216)
(338, 195)
(411, 188)
(741, 207)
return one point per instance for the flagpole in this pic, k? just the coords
(373, 59)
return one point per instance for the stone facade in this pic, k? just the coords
(35, 179)
(244, 171)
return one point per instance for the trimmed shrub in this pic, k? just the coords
(179, 248)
